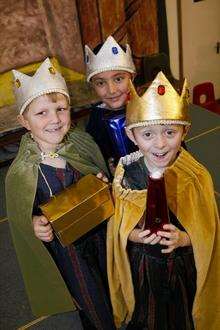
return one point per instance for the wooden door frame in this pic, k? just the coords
(180, 38)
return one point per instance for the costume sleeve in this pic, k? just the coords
(92, 125)
(96, 127)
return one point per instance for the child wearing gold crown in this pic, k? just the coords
(168, 278)
(51, 157)
(109, 67)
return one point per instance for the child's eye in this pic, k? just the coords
(41, 113)
(170, 132)
(147, 134)
(62, 109)
(118, 79)
(99, 83)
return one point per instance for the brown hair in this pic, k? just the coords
(54, 96)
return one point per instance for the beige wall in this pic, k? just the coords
(201, 31)
(171, 8)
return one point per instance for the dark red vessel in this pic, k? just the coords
(157, 213)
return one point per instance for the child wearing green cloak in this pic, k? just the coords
(51, 157)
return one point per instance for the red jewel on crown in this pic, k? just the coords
(161, 90)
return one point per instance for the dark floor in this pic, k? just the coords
(14, 309)
(203, 142)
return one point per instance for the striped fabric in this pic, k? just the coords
(83, 263)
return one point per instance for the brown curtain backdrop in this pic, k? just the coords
(32, 30)
(22, 35)
(131, 21)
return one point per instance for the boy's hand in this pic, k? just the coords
(42, 228)
(143, 236)
(173, 238)
(102, 176)
(111, 165)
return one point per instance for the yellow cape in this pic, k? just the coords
(190, 196)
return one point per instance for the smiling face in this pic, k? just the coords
(48, 119)
(112, 87)
(158, 143)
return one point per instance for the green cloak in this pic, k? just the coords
(45, 287)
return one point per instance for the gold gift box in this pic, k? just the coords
(79, 208)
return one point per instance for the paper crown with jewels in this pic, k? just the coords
(45, 80)
(110, 57)
(160, 104)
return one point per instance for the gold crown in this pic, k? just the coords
(45, 80)
(110, 57)
(160, 104)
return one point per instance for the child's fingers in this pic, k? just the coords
(45, 229)
(43, 225)
(169, 226)
(40, 220)
(168, 250)
(167, 242)
(42, 228)
(164, 234)
(46, 237)
(102, 176)
(149, 239)
(144, 233)
(45, 234)
(43, 220)
(156, 240)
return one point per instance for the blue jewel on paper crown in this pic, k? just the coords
(114, 50)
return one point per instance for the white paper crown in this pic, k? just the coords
(110, 57)
(45, 80)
